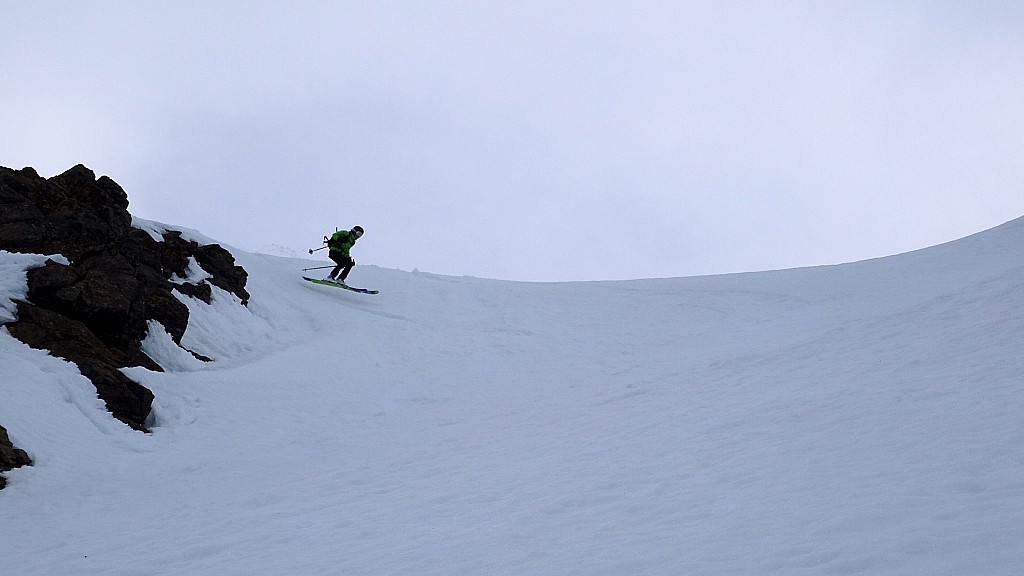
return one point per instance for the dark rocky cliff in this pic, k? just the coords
(10, 457)
(94, 311)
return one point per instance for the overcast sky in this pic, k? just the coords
(535, 140)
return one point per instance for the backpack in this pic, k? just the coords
(333, 242)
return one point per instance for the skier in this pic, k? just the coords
(340, 243)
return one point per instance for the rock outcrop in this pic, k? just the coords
(95, 310)
(10, 457)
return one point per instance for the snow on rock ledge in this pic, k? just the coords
(94, 306)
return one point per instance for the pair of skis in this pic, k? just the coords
(338, 285)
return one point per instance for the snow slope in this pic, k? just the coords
(854, 419)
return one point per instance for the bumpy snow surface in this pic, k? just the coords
(858, 419)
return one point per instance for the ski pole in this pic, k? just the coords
(311, 250)
(317, 268)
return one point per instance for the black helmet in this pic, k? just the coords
(358, 230)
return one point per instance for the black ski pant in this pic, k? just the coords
(344, 264)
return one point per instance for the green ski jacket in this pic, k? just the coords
(342, 241)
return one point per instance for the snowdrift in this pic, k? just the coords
(856, 419)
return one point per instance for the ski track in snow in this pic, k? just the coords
(854, 419)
